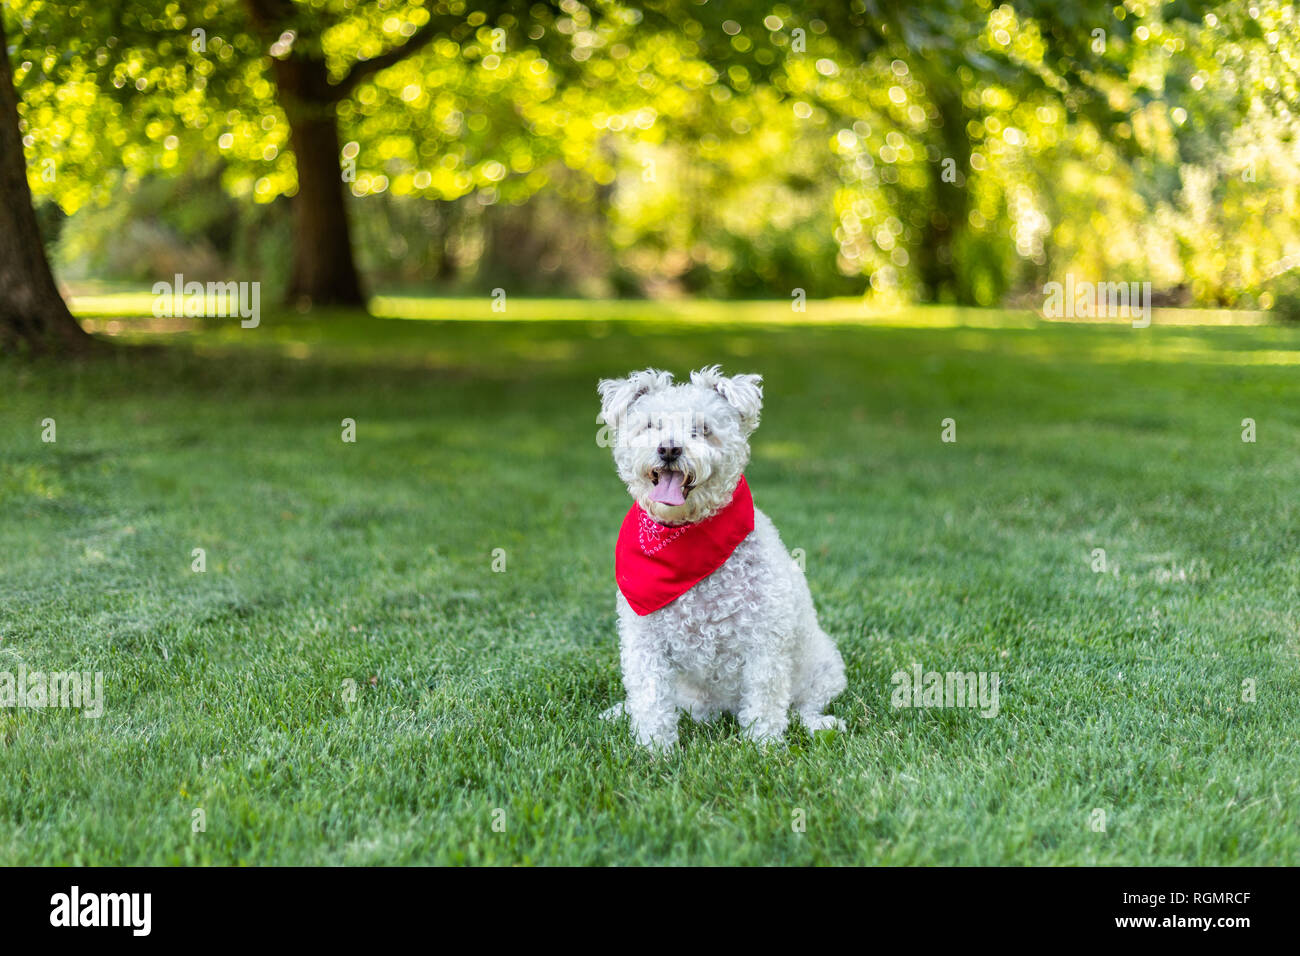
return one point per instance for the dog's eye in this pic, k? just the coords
(705, 430)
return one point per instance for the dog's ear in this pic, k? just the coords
(617, 395)
(744, 393)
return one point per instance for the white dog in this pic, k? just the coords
(714, 615)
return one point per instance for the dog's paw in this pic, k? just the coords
(615, 712)
(766, 734)
(658, 745)
(703, 716)
(818, 722)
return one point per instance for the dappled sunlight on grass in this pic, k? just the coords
(446, 333)
(1113, 346)
(121, 304)
(845, 311)
(850, 311)
(18, 481)
(783, 451)
(451, 334)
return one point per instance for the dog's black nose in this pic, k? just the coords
(670, 452)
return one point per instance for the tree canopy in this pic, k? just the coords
(957, 150)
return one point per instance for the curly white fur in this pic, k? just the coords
(745, 640)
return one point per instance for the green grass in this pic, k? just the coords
(371, 562)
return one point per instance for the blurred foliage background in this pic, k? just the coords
(952, 151)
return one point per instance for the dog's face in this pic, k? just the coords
(681, 448)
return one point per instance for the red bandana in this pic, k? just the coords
(656, 564)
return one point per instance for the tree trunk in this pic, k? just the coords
(323, 269)
(936, 261)
(324, 272)
(33, 316)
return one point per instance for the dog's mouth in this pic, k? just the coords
(671, 487)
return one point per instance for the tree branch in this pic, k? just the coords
(363, 69)
(270, 16)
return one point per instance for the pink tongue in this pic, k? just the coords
(669, 489)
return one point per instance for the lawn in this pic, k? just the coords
(350, 682)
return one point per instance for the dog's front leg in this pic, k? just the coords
(650, 683)
(654, 716)
(765, 694)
